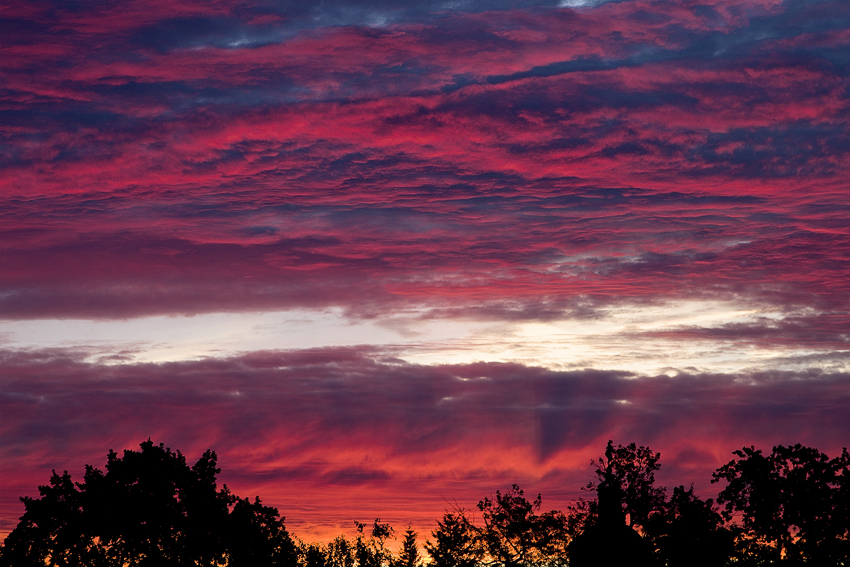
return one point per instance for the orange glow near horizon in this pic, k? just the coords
(385, 256)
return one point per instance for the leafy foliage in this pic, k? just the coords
(792, 504)
(633, 469)
(372, 551)
(455, 541)
(689, 532)
(149, 507)
(514, 534)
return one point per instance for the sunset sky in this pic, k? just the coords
(384, 257)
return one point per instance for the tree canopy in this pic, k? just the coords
(149, 507)
(793, 504)
(632, 469)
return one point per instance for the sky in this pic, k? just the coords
(387, 258)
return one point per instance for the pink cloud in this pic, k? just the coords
(320, 432)
(495, 163)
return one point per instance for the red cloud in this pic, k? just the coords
(331, 434)
(171, 158)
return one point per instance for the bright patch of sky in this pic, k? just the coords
(618, 340)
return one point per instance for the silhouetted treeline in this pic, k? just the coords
(150, 508)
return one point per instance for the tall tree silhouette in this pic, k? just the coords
(632, 469)
(408, 555)
(625, 485)
(455, 541)
(148, 508)
(793, 504)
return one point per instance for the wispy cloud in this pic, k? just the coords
(573, 220)
(323, 420)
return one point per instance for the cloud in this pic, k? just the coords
(119, 257)
(323, 420)
(513, 163)
(827, 331)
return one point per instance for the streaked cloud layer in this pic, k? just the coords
(356, 430)
(433, 247)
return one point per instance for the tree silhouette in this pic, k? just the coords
(515, 535)
(455, 541)
(148, 508)
(372, 551)
(626, 477)
(409, 555)
(52, 530)
(314, 555)
(256, 536)
(793, 505)
(689, 532)
(340, 553)
(580, 516)
(632, 469)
